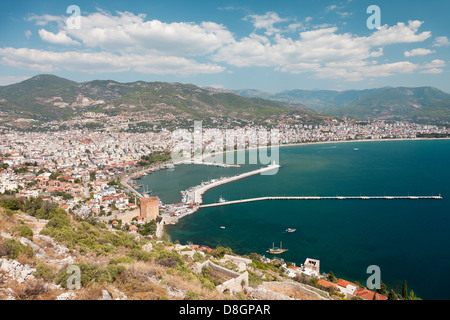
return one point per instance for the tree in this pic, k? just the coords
(382, 289)
(405, 290)
(331, 277)
(392, 295)
(412, 296)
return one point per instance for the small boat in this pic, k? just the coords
(290, 230)
(222, 200)
(222, 227)
(356, 149)
(274, 250)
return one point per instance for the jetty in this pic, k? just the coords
(195, 195)
(439, 197)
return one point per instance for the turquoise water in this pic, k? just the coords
(408, 239)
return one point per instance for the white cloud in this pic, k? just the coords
(127, 41)
(432, 71)
(400, 33)
(98, 62)
(433, 67)
(441, 42)
(127, 32)
(28, 34)
(59, 38)
(45, 19)
(435, 64)
(266, 22)
(325, 52)
(418, 52)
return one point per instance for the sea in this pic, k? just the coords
(407, 239)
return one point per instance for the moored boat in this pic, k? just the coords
(274, 250)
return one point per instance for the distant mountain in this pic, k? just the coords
(421, 104)
(48, 97)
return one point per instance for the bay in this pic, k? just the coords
(408, 239)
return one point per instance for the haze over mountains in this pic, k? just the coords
(48, 97)
(420, 104)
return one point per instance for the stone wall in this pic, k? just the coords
(238, 283)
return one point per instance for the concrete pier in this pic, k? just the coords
(197, 193)
(324, 198)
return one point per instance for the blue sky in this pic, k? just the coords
(266, 45)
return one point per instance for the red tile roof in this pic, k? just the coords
(345, 283)
(326, 284)
(368, 295)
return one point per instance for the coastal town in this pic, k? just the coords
(88, 172)
(91, 175)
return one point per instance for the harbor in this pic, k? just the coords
(192, 198)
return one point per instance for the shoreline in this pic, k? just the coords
(205, 157)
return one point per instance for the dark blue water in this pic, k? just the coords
(408, 239)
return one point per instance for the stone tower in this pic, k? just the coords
(149, 208)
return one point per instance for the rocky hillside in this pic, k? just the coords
(37, 250)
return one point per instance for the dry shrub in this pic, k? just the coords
(3, 250)
(140, 281)
(7, 223)
(167, 262)
(143, 270)
(92, 291)
(143, 290)
(194, 286)
(33, 290)
(27, 258)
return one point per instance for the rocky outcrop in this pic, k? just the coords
(14, 270)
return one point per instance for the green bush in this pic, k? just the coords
(44, 272)
(170, 256)
(86, 237)
(91, 274)
(58, 222)
(139, 254)
(123, 259)
(13, 249)
(24, 231)
(191, 296)
(206, 283)
(10, 203)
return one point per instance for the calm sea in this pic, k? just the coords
(408, 239)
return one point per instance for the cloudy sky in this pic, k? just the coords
(266, 45)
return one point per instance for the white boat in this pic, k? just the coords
(290, 230)
(222, 227)
(222, 200)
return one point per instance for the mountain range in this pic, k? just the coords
(47, 97)
(419, 104)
